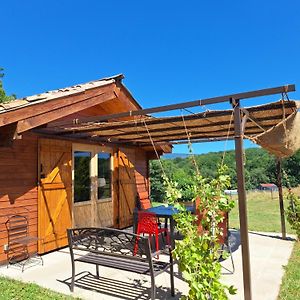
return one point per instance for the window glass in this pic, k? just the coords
(82, 176)
(104, 175)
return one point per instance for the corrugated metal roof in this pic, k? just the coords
(59, 93)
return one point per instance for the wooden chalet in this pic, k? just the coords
(78, 156)
(59, 181)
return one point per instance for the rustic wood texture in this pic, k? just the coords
(127, 186)
(82, 215)
(141, 171)
(34, 121)
(18, 190)
(104, 214)
(55, 207)
(60, 105)
(116, 189)
(133, 178)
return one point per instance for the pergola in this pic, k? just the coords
(138, 128)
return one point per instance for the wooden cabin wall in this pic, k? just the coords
(132, 171)
(141, 171)
(18, 186)
(19, 192)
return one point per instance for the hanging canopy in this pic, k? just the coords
(267, 125)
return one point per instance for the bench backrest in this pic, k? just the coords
(109, 241)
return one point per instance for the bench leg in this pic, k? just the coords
(172, 275)
(73, 277)
(153, 289)
(97, 271)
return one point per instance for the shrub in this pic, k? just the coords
(293, 212)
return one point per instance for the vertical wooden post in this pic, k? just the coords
(242, 199)
(280, 193)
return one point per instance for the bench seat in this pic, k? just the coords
(119, 250)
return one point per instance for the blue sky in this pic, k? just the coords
(169, 51)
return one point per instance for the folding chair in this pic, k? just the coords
(19, 241)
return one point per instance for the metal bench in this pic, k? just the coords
(117, 249)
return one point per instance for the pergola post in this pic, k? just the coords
(280, 193)
(238, 130)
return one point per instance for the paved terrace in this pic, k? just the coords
(268, 256)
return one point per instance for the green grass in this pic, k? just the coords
(290, 287)
(263, 213)
(16, 290)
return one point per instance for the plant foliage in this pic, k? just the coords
(3, 97)
(293, 212)
(198, 253)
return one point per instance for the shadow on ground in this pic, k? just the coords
(273, 236)
(120, 289)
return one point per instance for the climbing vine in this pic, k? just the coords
(198, 253)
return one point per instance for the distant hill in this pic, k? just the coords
(260, 167)
(175, 155)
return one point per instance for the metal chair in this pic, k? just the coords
(19, 241)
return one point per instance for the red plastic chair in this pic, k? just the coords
(147, 223)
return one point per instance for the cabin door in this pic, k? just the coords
(92, 186)
(54, 201)
(127, 186)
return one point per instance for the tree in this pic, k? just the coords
(3, 97)
(260, 167)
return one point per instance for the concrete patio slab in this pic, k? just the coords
(268, 256)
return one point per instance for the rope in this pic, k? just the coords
(227, 136)
(190, 145)
(157, 155)
(284, 119)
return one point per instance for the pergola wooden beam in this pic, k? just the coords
(240, 96)
(130, 130)
(154, 124)
(242, 200)
(173, 133)
(280, 196)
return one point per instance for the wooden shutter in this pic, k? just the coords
(127, 186)
(54, 203)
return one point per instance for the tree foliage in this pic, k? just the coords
(3, 97)
(293, 212)
(260, 167)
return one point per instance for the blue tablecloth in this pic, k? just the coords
(167, 211)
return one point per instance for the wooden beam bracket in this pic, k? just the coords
(8, 134)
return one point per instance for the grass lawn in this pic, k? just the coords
(263, 212)
(17, 290)
(290, 287)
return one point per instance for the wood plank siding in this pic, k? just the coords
(19, 191)
(133, 178)
(18, 185)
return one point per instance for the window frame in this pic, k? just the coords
(94, 150)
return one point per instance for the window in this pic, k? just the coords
(92, 173)
(82, 176)
(104, 175)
